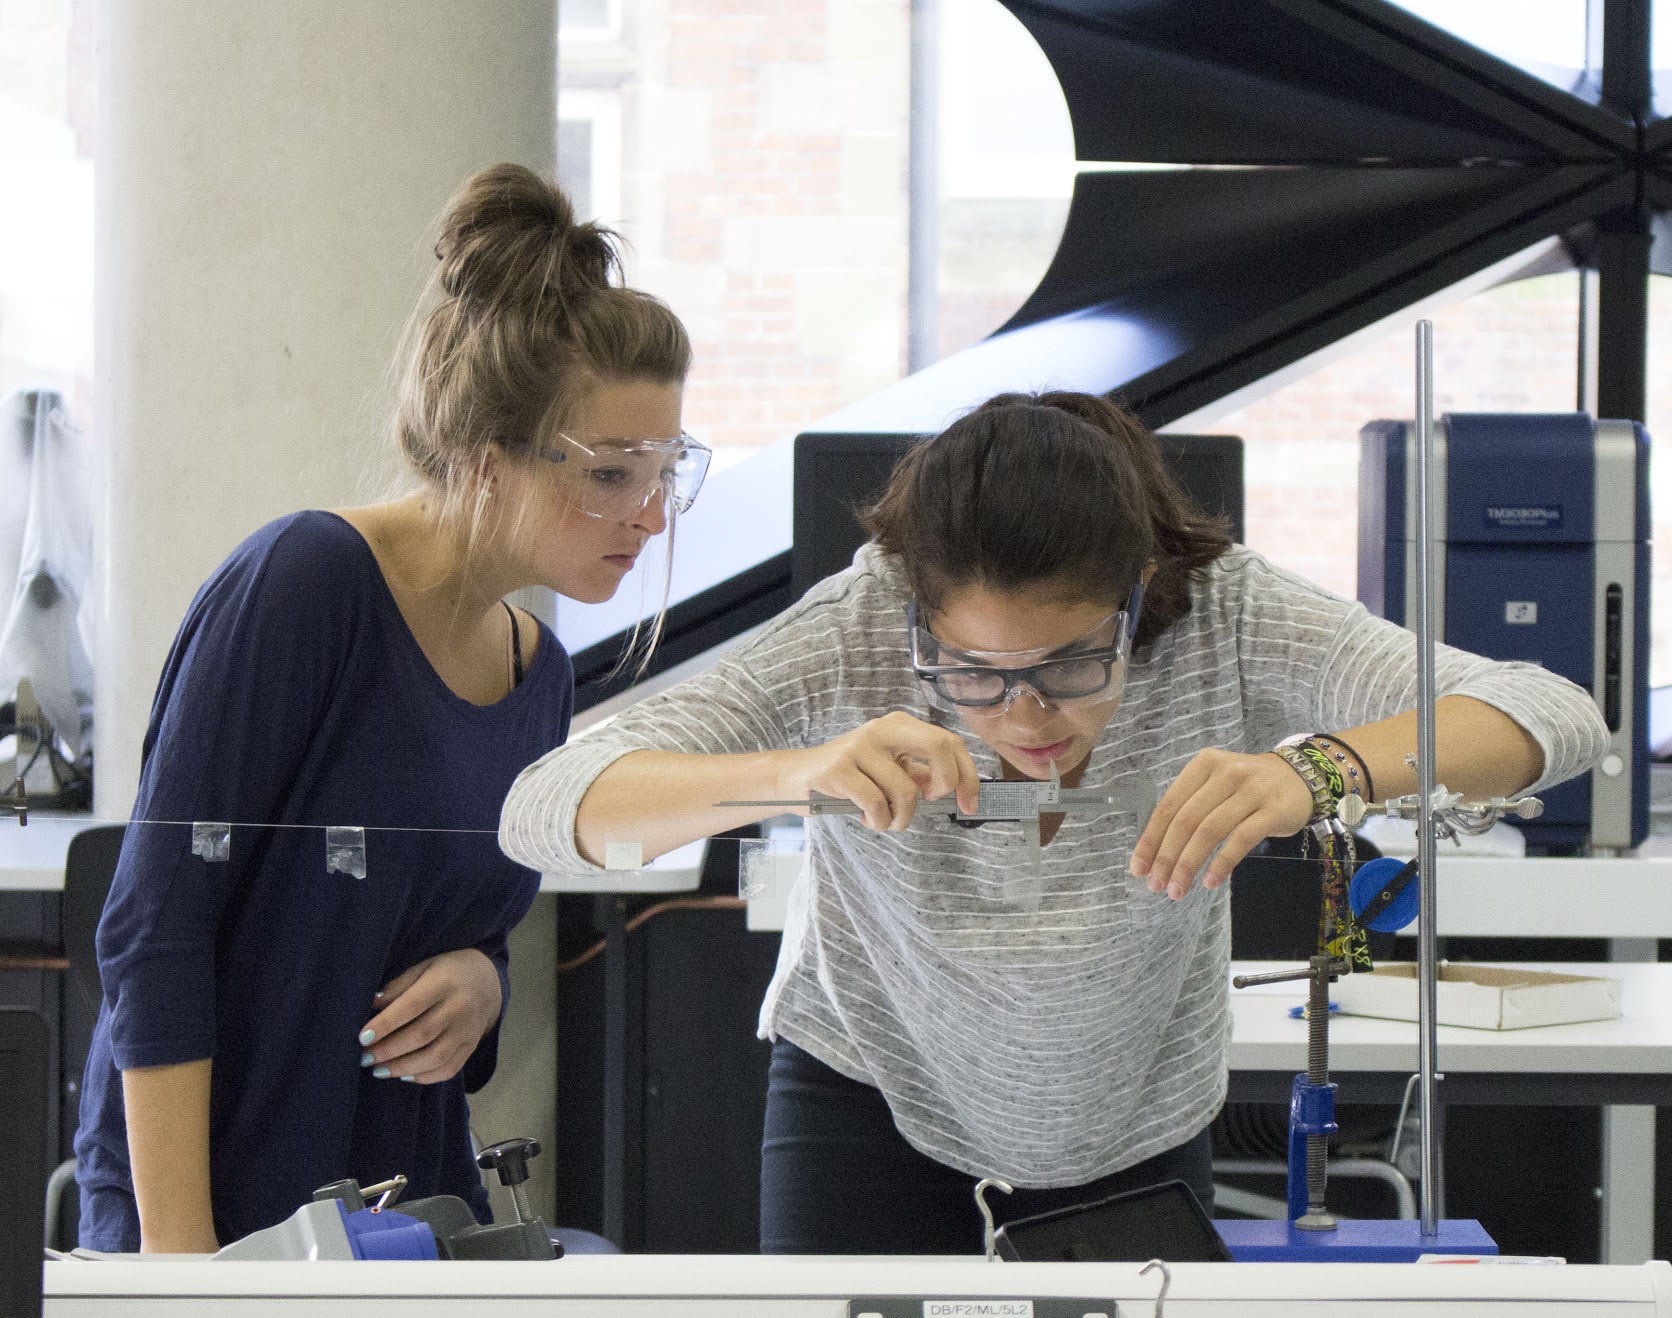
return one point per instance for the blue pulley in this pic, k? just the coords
(1384, 894)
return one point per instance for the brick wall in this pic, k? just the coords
(1510, 349)
(764, 193)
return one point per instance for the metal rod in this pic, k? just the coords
(1270, 977)
(923, 190)
(1317, 1074)
(613, 910)
(1427, 947)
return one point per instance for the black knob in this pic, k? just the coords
(509, 1158)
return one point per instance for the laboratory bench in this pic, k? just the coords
(794, 1287)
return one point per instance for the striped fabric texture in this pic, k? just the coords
(1053, 1046)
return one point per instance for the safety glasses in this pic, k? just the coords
(617, 478)
(1090, 669)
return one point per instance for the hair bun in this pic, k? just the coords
(510, 235)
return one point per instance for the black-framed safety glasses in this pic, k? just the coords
(1090, 668)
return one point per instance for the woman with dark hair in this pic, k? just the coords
(1039, 599)
(363, 667)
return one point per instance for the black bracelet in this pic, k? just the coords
(1332, 739)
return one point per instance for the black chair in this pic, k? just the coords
(89, 868)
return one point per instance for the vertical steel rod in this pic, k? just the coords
(1427, 961)
(612, 908)
(1317, 1217)
(923, 190)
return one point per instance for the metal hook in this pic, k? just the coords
(981, 1188)
(1166, 1283)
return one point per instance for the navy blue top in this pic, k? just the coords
(296, 694)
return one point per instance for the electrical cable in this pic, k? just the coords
(650, 912)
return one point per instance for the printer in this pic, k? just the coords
(1540, 526)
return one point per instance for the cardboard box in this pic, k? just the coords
(1481, 997)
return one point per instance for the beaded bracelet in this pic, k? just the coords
(1333, 746)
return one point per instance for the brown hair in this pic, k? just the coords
(524, 316)
(530, 316)
(1063, 490)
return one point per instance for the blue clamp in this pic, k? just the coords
(386, 1234)
(1311, 1112)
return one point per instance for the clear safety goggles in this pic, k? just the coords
(617, 478)
(1088, 670)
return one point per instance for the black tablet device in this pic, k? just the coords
(1163, 1221)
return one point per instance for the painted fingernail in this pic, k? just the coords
(367, 1038)
(380, 1073)
(410, 1079)
(366, 1059)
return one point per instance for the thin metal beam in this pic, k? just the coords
(923, 190)
(1590, 342)
(1623, 238)
(1627, 80)
(1427, 945)
(1623, 244)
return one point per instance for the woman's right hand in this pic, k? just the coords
(885, 767)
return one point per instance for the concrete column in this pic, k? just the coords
(266, 181)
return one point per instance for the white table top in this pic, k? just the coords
(32, 860)
(1265, 1038)
(717, 1286)
(32, 855)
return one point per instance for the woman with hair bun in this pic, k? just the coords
(1039, 599)
(362, 667)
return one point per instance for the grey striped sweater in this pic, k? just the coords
(1054, 1046)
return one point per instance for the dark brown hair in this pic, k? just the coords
(1064, 491)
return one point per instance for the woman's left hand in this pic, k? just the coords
(433, 1016)
(1222, 801)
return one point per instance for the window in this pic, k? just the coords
(1547, 38)
(1006, 166)
(589, 152)
(46, 225)
(588, 20)
(1509, 348)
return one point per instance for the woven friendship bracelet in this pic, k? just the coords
(1312, 774)
(1332, 776)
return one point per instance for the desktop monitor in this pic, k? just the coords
(835, 475)
(25, 1092)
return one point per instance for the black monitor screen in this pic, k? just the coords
(24, 1095)
(837, 474)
